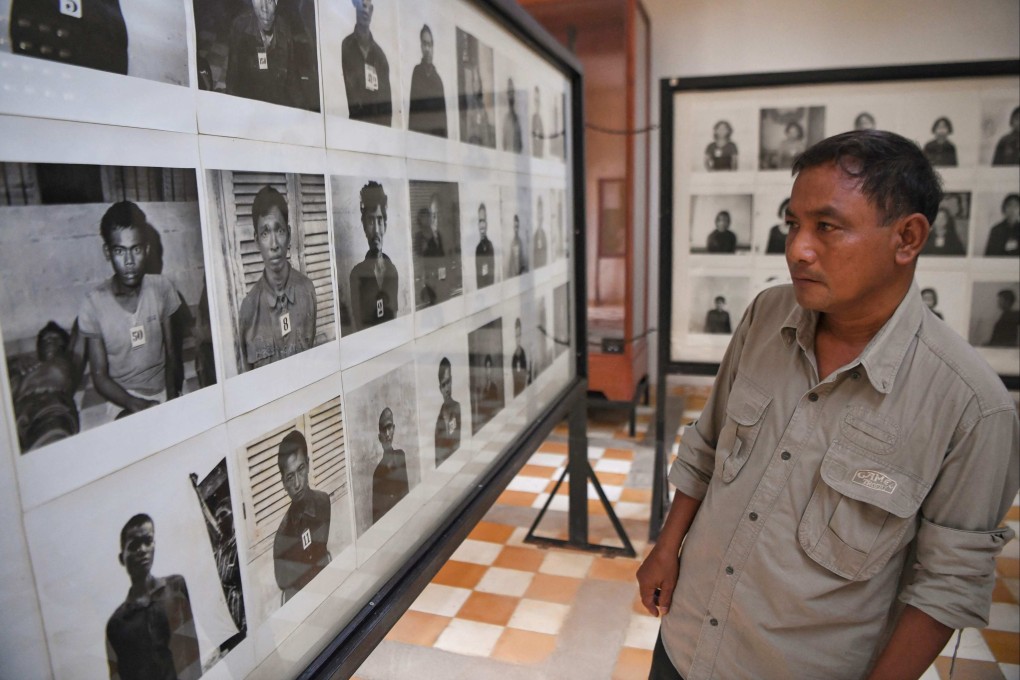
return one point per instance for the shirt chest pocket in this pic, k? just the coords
(745, 412)
(862, 510)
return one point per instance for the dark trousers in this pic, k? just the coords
(662, 668)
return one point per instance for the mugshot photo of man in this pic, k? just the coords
(485, 257)
(300, 549)
(939, 150)
(277, 318)
(717, 320)
(436, 243)
(152, 634)
(1004, 237)
(43, 392)
(519, 367)
(517, 259)
(448, 422)
(541, 245)
(1006, 331)
(537, 128)
(512, 136)
(374, 280)
(427, 113)
(389, 481)
(366, 70)
(126, 320)
(475, 91)
(1007, 149)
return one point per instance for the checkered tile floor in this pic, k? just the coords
(513, 607)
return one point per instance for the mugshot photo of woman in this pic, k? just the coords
(1004, 237)
(777, 234)
(721, 152)
(931, 301)
(943, 238)
(1007, 150)
(940, 151)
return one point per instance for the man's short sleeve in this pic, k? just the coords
(169, 300)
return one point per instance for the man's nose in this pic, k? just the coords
(800, 246)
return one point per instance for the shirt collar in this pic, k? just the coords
(285, 298)
(883, 355)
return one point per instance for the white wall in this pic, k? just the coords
(722, 37)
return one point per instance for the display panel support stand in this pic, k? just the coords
(579, 468)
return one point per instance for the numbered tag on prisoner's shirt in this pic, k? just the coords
(378, 309)
(1011, 245)
(442, 273)
(451, 426)
(306, 538)
(485, 269)
(371, 78)
(285, 324)
(137, 336)
(71, 8)
(263, 61)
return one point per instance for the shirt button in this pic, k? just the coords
(753, 516)
(714, 622)
(729, 570)
(812, 397)
(785, 455)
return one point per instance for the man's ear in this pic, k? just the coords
(912, 233)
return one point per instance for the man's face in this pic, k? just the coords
(488, 372)
(483, 222)
(720, 304)
(510, 93)
(1005, 302)
(426, 47)
(265, 12)
(386, 429)
(51, 345)
(722, 222)
(434, 216)
(517, 226)
(929, 298)
(294, 474)
(126, 252)
(364, 11)
(139, 550)
(540, 214)
(446, 383)
(272, 233)
(941, 129)
(375, 228)
(538, 100)
(1011, 211)
(517, 334)
(840, 256)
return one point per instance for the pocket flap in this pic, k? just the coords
(877, 483)
(747, 401)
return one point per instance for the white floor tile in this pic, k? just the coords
(566, 564)
(628, 510)
(539, 617)
(517, 537)
(613, 465)
(596, 452)
(477, 552)
(931, 674)
(612, 492)
(547, 459)
(1010, 671)
(502, 581)
(529, 484)
(441, 600)
(1004, 616)
(642, 632)
(972, 646)
(471, 638)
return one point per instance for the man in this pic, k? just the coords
(300, 548)
(541, 254)
(428, 246)
(389, 481)
(151, 635)
(277, 318)
(374, 281)
(519, 362)
(485, 257)
(839, 498)
(1004, 237)
(366, 71)
(126, 320)
(512, 139)
(263, 60)
(1006, 331)
(717, 320)
(518, 262)
(1007, 150)
(537, 129)
(448, 421)
(43, 392)
(428, 101)
(721, 239)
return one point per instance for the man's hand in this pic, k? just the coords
(656, 579)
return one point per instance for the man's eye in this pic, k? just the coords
(826, 227)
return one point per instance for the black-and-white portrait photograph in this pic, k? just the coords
(785, 133)
(296, 490)
(940, 150)
(949, 231)
(946, 294)
(444, 394)
(523, 367)
(428, 61)
(561, 334)
(151, 586)
(997, 225)
(995, 314)
(141, 40)
(482, 236)
(946, 127)
(372, 238)
(541, 321)
(539, 137)
(541, 249)
(383, 414)
(513, 107)
(515, 223)
(264, 50)
(475, 91)
(721, 223)
(1000, 132)
(723, 138)
(770, 226)
(438, 271)
(485, 356)
(558, 133)
(274, 238)
(104, 305)
(717, 303)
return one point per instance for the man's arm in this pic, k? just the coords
(915, 642)
(170, 349)
(661, 568)
(107, 386)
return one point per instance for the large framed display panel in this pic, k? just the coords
(728, 143)
(279, 327)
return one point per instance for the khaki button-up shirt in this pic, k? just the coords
(825, 501)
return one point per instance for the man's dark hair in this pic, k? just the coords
(942, 119)
(136, 521)
(121, 215)
(729, 128)
(1009, 197)
(934, 294)
(372, 195)
(293, 443)
(724, 212)
(1007, 294)
(265, 200)
(444, 364)
(488, 360)
(720, 298)
(425, 29)
(891, 171)
(52, 328)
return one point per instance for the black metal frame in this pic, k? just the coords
(345, 653)
(669, 87)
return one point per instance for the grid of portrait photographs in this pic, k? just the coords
(732, 158)
(276, 315)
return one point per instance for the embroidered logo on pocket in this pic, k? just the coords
(875, 480)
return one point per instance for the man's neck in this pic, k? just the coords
(278, 280)
(841, 337)
(142, 587)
